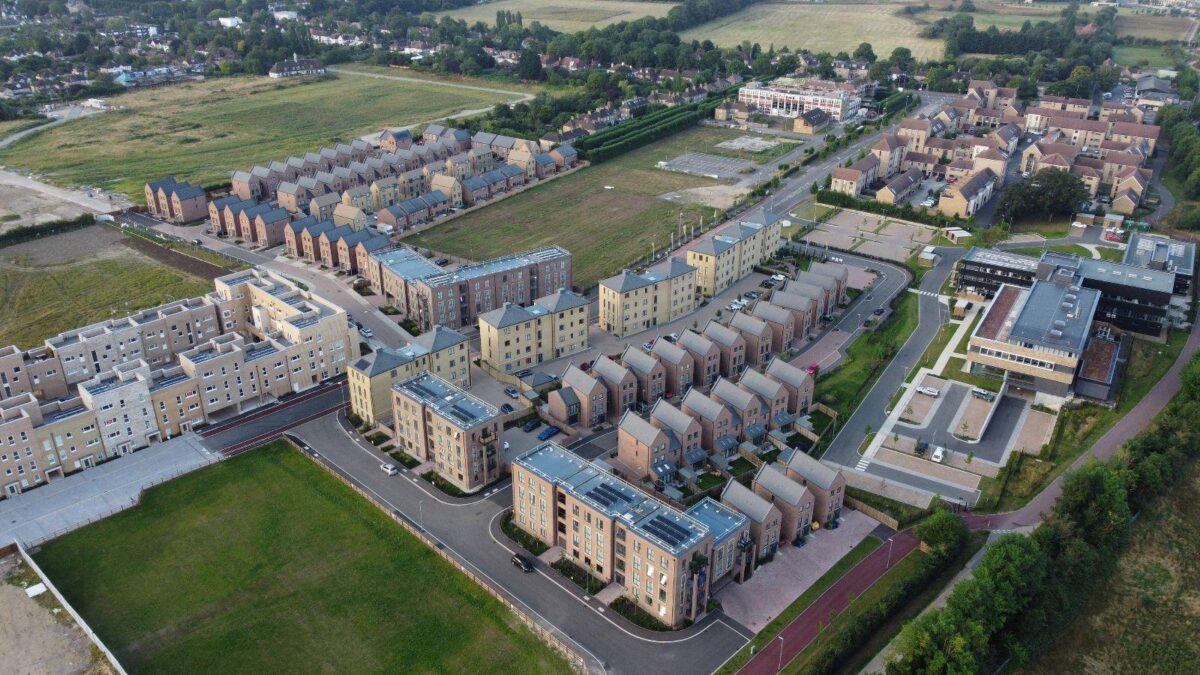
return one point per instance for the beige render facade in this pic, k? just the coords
(656, 554)
(438, 422)
(441, 351)
(119, 385)
(731, 254)
(512, 338)
(631, 303)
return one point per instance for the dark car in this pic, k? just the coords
(506, 409)
(522, 562)
(531, 425)
(878, 312)
(524, 373)
(548, 433)
(441, 262)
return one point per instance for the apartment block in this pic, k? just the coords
(731, 254)
(436, 421)
(732, 545)
(659, 556)
(116, 386)
(441, 351)
(631, 303)
(512, 337)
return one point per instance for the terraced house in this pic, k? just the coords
(116, 386)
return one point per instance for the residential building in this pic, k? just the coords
(794, 501)
(437, 422)
(732, 544)
(781, 322)
(765, 518)
(650, 373)
(719, 430)
(732, 346)
(757, 336)
(729, 255)
(620, 383)
(827, 485)
(441, 351)
(965, 198)
(797, 383)
(645, 451)
(706, 357)
(811, 121)
(632, 303)
(582, 400)
(678, 364)
(513, 337)
(658, 556)
(857, 177)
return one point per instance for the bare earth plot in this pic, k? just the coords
(564, 15)
(19, 207)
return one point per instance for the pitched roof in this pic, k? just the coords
(730, 393)
(669, 352)
(438, 338)
(702, 405)
(780, 486)
(609, 370)
(694, 342)
(577, 379)
(671, 417)
(636, 359)
(760, 384)
(743, 499)
(813, 470)
(562, 300)
(787, 373)
(721, 334)
(624, 282)
(749, 324)
(633, 424)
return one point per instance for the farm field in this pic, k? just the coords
(69, 280)
(606, 230)
(1152, 26)
(265, 563)
(564, 15)
(1003, 16)
(1142, 618)
(819, 27)
(203, 131)
(1132, 55)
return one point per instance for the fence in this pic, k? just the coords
(87, 630)
(549, 634)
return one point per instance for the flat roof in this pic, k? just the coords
(453, 404)
(1129, 275)
(407, 263)
(721, 520)
(670, 529)
(991, 256)
(1056, 316)
(503, 264)
(1156, 251)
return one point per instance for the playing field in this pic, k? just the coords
(819, 27)
(204, 131)
(605, 229)
(69, 280)
(564, 15)
(1130, 56)
(266, 564)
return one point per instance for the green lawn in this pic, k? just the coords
(606, 230)
(206, 130)
(767, 634)
(1036, 251)
(1133, 55)
(38, 305)
(1080, 426)
(843, 387)
(1048, 229)
(265, 563)
(954, 371)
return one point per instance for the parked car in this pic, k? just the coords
(813, 368)
(778, 277)
(522, 563)
(512, 392)
(767, 283)
(198, 242)
(929, 391)
(531, 425)
(752, 295)
(732, 307)
(441, 262)
(878, 312)
(365, 332)
(506, 408)
(939, 453)
(524, 373)
(389, 469)
(548, 433)
(984, 394)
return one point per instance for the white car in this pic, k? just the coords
(929, 391)
(939, 453)
(778, 277)
(389, 469)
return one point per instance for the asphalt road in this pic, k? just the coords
(469, 529)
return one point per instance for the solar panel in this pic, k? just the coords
(668, 531)
(461, 414)
(606, 495)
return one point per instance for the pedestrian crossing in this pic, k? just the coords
(928, 294)
(863, 463)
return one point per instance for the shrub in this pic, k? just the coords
(527, 541)
(640, 617)
(25, 233)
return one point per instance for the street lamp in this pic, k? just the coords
(779, 665)
(891, 543)
(421, 512)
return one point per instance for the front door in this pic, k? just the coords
(12, 489)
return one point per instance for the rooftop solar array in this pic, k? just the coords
(447, 400)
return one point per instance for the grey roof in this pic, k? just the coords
(406, 263)
(453, 404)
(702, 405)
(743, 499)
(695, 342)
(640, 429)
(375, 243)
(566, 150)
(381, 360)
(1055, 316)
(671, 417)
(714, 245)
(749, 324)
(721, 520)
(609, 370)
(790, 301)
(625, 281)
(274, 215)
(998, 258)
(721, 334)
(510, 314)
(669, 352)
(298, 226)
(786, 372)
(813, 470)
(672, 267)
(733, 395)
(1120, 273)
(562, 300)
(474, 183)
(638, 360)
(778, 484)
(337, 233)
(568, 396)
(760, 384)
(1159, 252)
(577, 379)
(813, 279)
(904, 182)
(511, 170)
(769, 312)
(438, 338)
(510, 262)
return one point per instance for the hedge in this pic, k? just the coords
(26, 233)
(906, 212)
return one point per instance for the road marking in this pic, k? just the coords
(863, 463)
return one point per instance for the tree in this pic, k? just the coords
(943, 532)
(941, 641)
(1094, 499)
(1052, 192)
(902, 58)
(864, 52)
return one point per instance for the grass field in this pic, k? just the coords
(819, 27)
(1131, 55)
(13, 126)
(1144, 617)
(204, 131)
(564, 15)
(606, 230)
(1004, 16)
(1151, 26)
(264, 563)
(70, 280)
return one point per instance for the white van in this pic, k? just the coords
(929, 391)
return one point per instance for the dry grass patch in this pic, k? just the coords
(564, 15)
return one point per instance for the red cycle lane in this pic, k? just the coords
(804, 628)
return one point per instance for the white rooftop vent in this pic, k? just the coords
(1056, 333)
